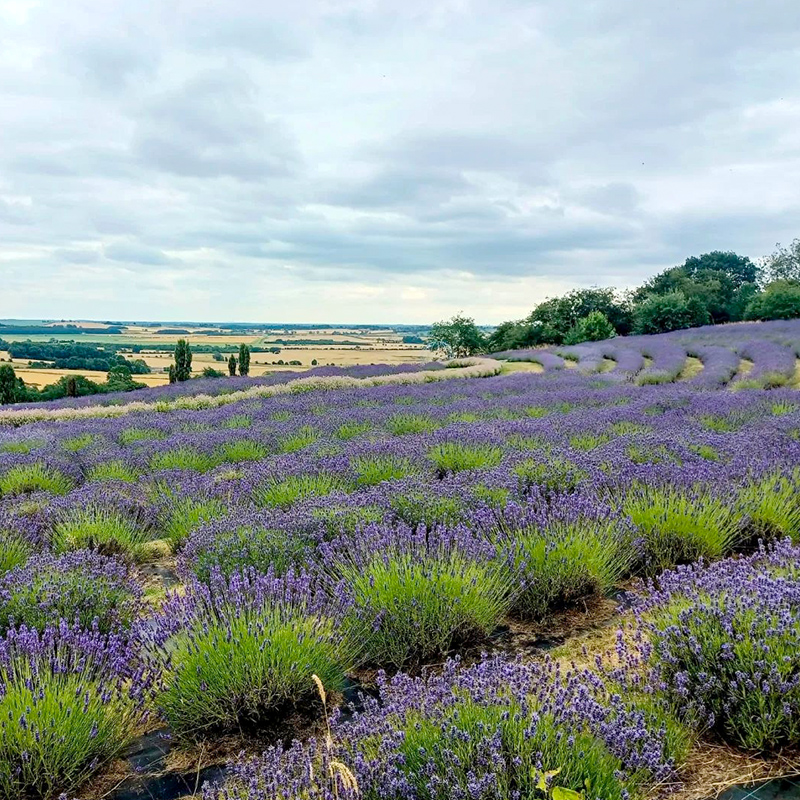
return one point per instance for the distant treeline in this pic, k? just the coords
(72, 355)
(35, 330)
(312, 343)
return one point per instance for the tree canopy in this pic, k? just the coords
(715, 287)
(457, 337)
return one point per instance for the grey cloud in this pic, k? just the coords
(135, 254)
(367, 143)
(77, 256)
(212, 126)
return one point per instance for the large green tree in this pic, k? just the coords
(556, 316)
(232, 365)
(457, 337)
(183, 361)
(244, 359)
(783, 264)
(9, 388)
(723, 282)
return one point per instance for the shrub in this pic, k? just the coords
(242, 450)
(495, 731)
(405, 424)
(300, 439)
(83, 588)
(705, 451)
(679, 526)
(133, 435)
(419, 508)
(595, 327)
(182, 458)
(14, 551)
(565, 562)
(554, 476)
(238, 421)
(248, 548)
(351, 430)
(347, 520)
(627, 428)
(116, 470)
(96, 527)
(780, 300)
(244, 650)
(185, 514)
(724, 646)
(67, 708)
(374, 469)
(450, 457)
(21, 446)
(781, 407)
(588, 440)
(26, 478)
(668, 312)
(771, 505)
(74, 444)
(412, 603)
(284, 493)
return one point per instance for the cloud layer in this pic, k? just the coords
(380, 161)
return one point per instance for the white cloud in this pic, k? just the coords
(370, 160)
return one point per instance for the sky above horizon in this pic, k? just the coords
(384, 161)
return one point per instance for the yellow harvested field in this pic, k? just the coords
(521, 366)
(260, 363)
(44, 377)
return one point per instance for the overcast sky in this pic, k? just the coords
(383, 161)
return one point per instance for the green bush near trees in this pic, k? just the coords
(595, 327)
(669, 312)
(779, 300)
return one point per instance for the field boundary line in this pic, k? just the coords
(459, 368)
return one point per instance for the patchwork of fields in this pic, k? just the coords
(326, 346)
(348, 587)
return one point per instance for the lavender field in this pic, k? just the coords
(740, 356)
(349, 588)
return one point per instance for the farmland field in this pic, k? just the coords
(339, 346)
(565, 572)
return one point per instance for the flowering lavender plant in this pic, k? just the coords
(240, 651)
(496, 730)
(69, 702)
(724, 645)
(416, 594)
(90, 590)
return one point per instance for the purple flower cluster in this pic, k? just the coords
(724, 644)
(489, 731)
(85, 588)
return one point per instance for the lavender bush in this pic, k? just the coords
(68, 705)
(415, 595)
(241, 651)
(496, 730)
(725, 640)
(84, 588)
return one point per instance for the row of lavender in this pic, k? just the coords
(216, 386)
(724, 353)
(363, 528)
